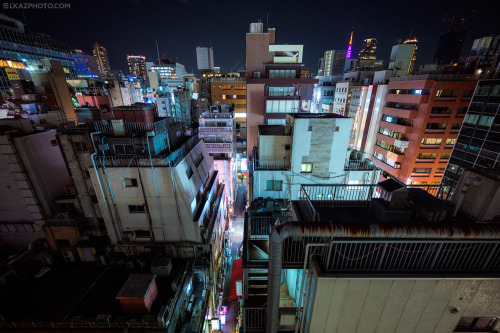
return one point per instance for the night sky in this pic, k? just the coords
(132, 26)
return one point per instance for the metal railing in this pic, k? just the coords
(365, 164)
(218, 145)
(412, 255)
(261, 226)
(117, 128)
(338, 195)
(217, 115)
(215, 129)
(64, 222)
(271, 164)
(254, 319)
(442, 77)
(306, 206)
(145, 161)
(80, 324)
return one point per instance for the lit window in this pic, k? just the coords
(306, 167)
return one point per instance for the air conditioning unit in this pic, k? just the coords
(68, 255)
(256, 75)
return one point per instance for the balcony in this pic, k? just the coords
(271, 165)
(402, 127)
(407, 98)
(215, 130)
(212, 115)
(397, 112)
(398, 158)
(358, 161)
(219, 147)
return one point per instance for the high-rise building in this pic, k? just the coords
(333, 63)
(419, 126)
(277, 83)
(478, 143)
(101, 58)
(449, 46)
(24, 50)
(368, 49)
(403, 57)
(169, 70)
(137, 66)
(85, 65)
(205, 58)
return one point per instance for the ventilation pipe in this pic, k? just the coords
(299, 230)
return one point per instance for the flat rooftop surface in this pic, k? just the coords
(75, 289)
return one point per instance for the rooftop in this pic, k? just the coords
(273, 130)
(315, 115)
(136, 286)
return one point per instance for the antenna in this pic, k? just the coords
(158, 52)
(411, 33)
(267, 20)
(210, 40)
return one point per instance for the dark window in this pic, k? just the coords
(422, 170)
(87, 174)
(436, 126)
(189, 172)
(93, 198)
(80, 146)
(130, 182)
(136, 209)
(124, 149)
(66, 206)
(63, 243)
(142, 233)
(274, 185)
(476, 324)
(53, 143)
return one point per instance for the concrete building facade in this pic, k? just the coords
(419, 126)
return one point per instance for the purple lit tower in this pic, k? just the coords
(349, 49)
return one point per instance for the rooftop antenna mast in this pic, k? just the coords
(267, 20)
(411, 33)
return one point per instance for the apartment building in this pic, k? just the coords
(419, 126)
(311, 148)
(218, 130)
(478, 142)
(358, 258)
(276, 82)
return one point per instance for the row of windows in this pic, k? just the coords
(442, 126)
(475, 119)
(391, 133)
(484, 107)
(282, 106)
(487, 89)
(281, 91)
(437, 141)
(432, 156)
(408, 91)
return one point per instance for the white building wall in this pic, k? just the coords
(165, 220)
(398, 305)
(375, 119)
(340, 101)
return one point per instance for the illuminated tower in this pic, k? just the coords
(349, 49)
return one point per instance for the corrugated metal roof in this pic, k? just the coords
(136, 286)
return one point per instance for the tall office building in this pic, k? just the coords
(137, 66)
(419, 126)
(101, 58)
(368, 49)
(449, 46)
(21, 49)
(85, 65)
(403, 57)
(333, 63)
(478, 143)
(205, 58)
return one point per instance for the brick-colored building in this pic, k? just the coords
(420, 124)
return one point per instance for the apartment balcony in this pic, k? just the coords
(207, 115)
(404, 128)
(271, 165)
(400, 113)
(407, 98)
(219, 147)
(381, 150)
(215, 131)
(358, 161)
(393, 170)
(386, 138)
(424, 162)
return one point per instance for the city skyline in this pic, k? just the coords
(200, 23)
